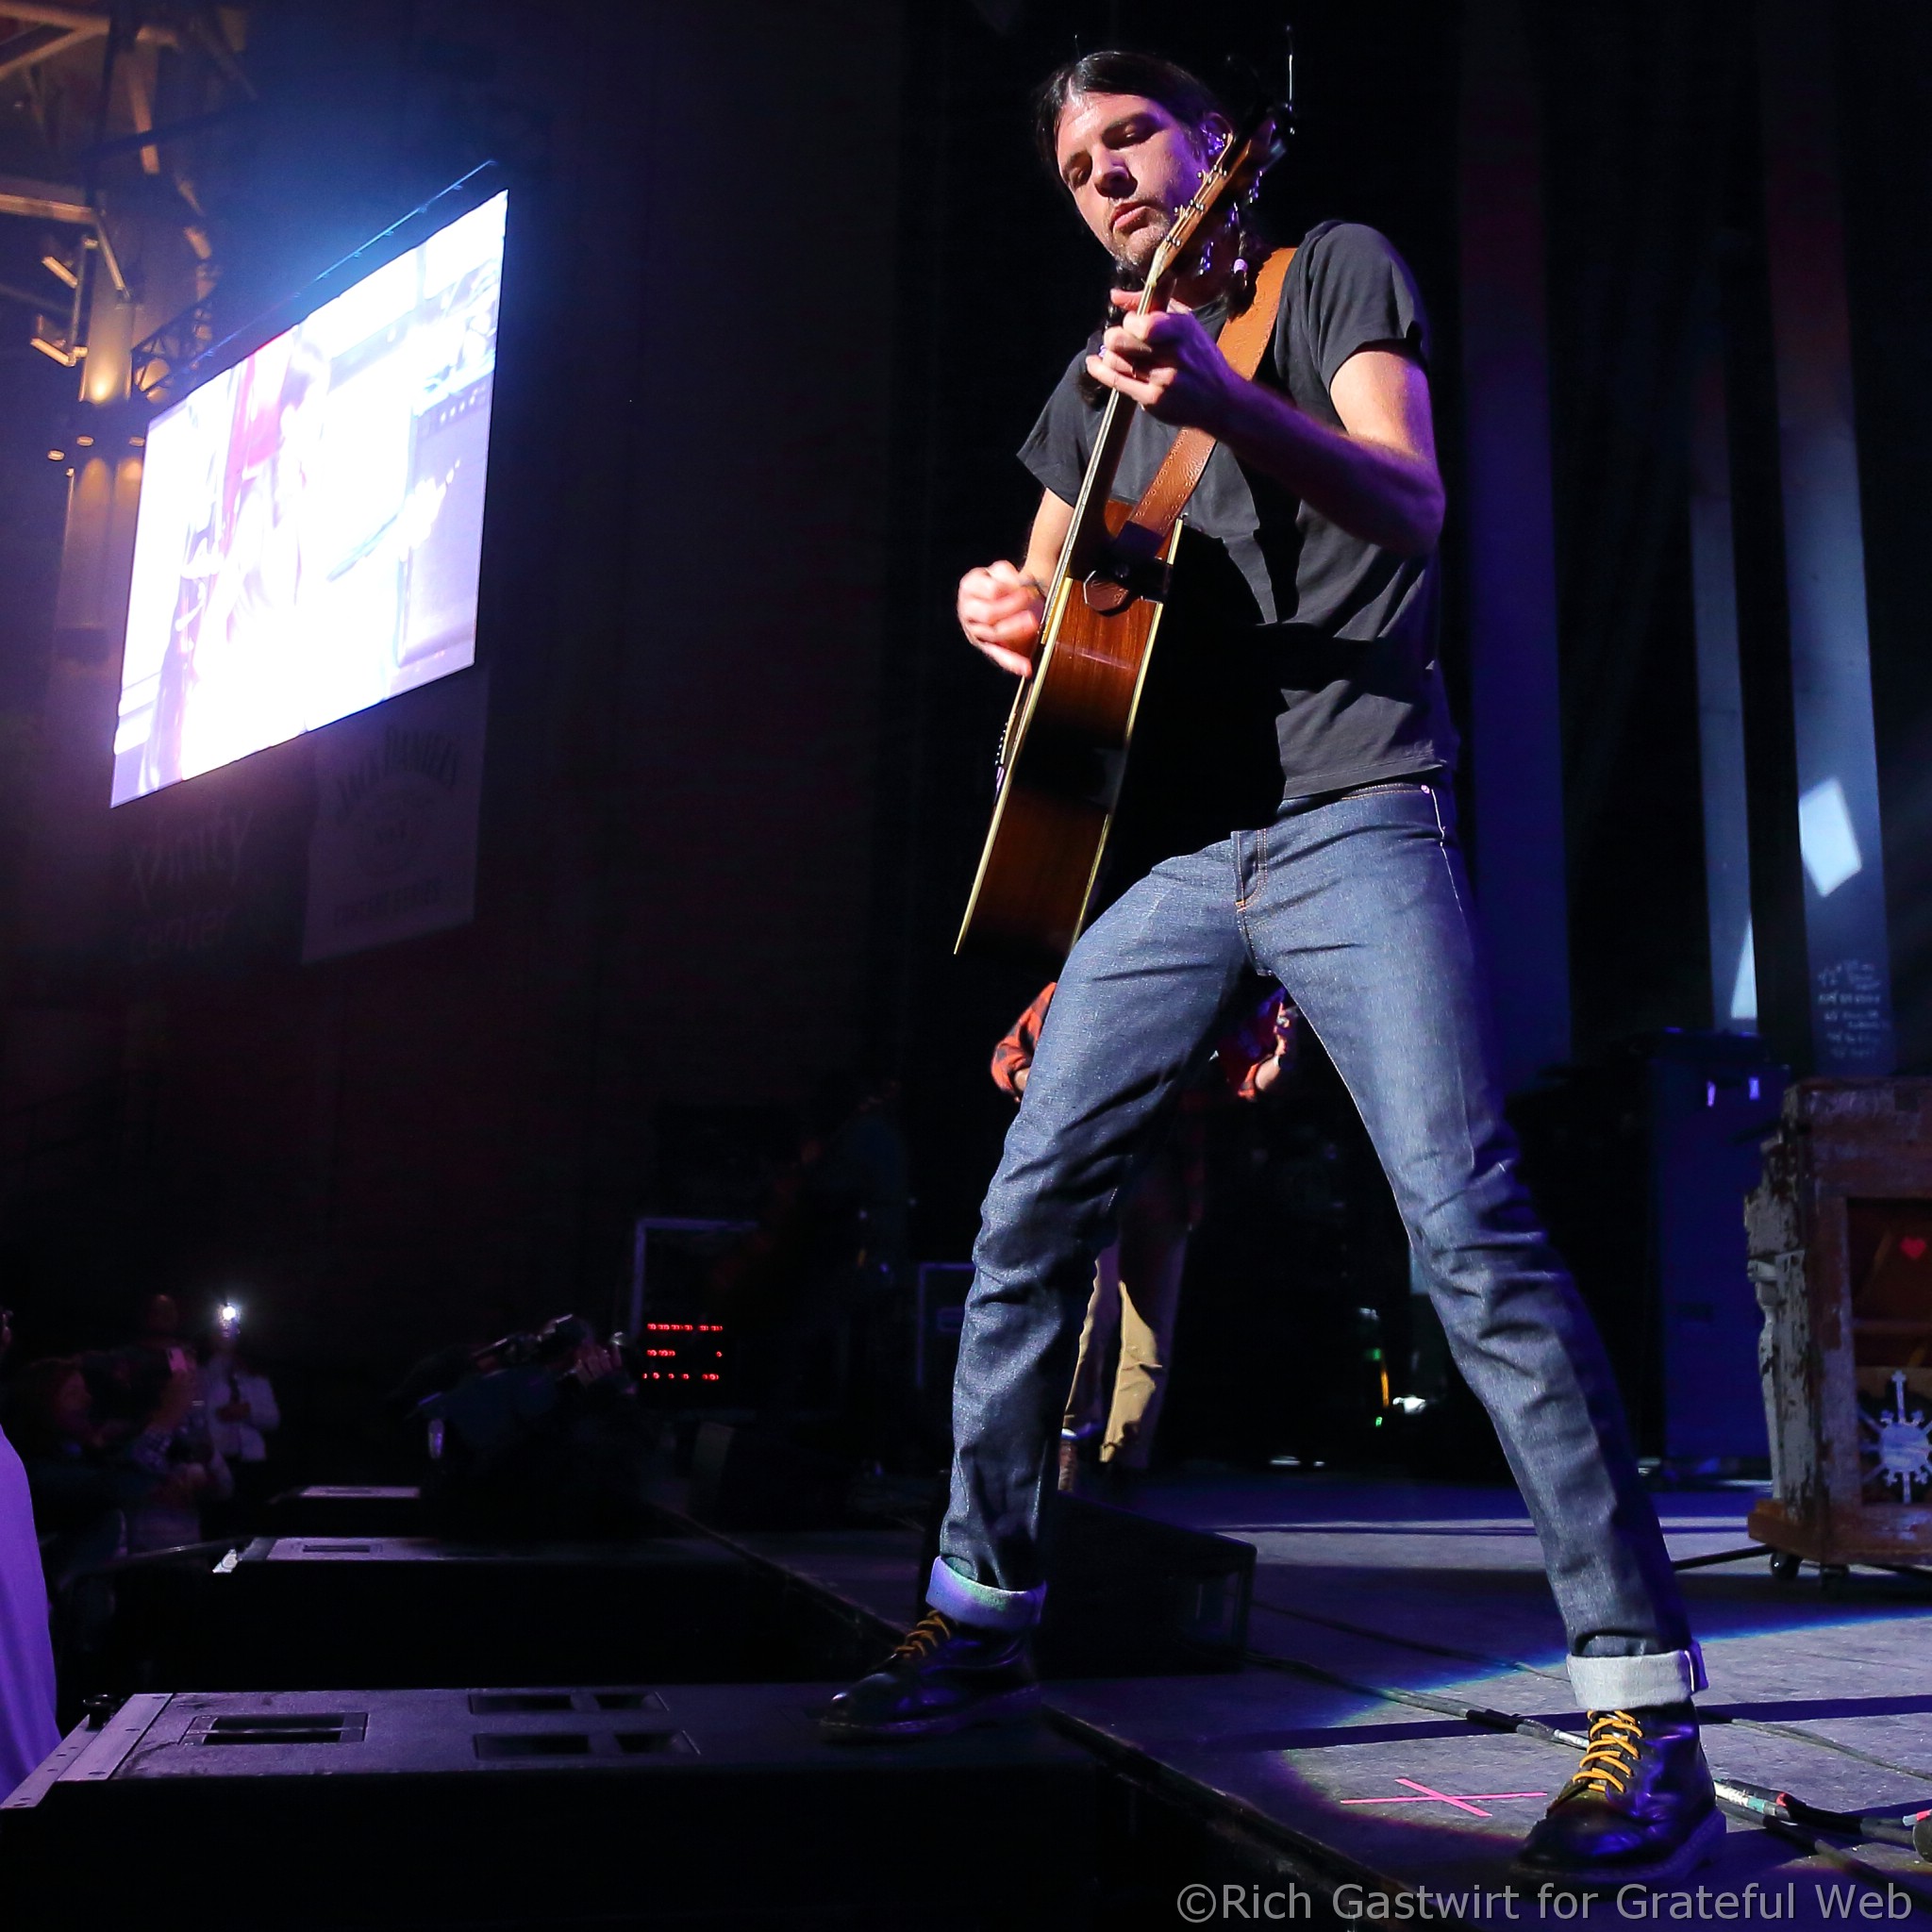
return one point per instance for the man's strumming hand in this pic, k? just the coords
(1000, 611)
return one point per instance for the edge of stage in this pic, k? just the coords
(1335, 1758)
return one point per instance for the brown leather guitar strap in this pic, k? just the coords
(1243, 342)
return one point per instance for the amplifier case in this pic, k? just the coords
(713, 1806)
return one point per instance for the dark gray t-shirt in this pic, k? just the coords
(1330, 639)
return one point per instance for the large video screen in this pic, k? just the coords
(311, 520)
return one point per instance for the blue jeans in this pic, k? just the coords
(1358, 904)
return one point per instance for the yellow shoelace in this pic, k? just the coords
(926, 1635)
(1611, 1759)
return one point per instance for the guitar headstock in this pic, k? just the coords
(1249, 152)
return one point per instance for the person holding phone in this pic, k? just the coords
(242, 1413)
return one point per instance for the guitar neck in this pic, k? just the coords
(1087, 537)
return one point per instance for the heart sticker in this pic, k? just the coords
(1914, 1247)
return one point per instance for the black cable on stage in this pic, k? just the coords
(1793, 1735)
(1777, 1812)
(1789, 1732)
(1718, 1556)
(1422, 1699)
(1914, 1830)
(1808, 1840)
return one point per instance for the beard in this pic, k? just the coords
(1134, 253)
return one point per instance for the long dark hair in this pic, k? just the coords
(1117, 71)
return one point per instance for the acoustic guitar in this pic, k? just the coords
(1063, 753)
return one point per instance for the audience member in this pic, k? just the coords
(242, 1412)
(28, 1728)
(89, 1478)
(194, 1472)
(125, 1384)
(148, 1396)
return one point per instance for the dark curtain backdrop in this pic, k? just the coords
(1654, 194)
(1638, 99)
(1884, 86)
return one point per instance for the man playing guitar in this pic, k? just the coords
(1346, 884)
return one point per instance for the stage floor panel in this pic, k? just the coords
(1365, 1590)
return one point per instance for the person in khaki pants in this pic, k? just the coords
(1137, 1280)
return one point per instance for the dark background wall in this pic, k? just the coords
(785, 288)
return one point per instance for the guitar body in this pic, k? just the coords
(1061, 767)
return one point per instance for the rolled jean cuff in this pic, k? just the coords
(1630, 1683)
(980, 1604)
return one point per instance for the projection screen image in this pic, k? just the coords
(311, 521)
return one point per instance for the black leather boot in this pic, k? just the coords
(1640, 1810)
(944, 1677)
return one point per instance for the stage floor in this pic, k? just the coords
(1399, 1587)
